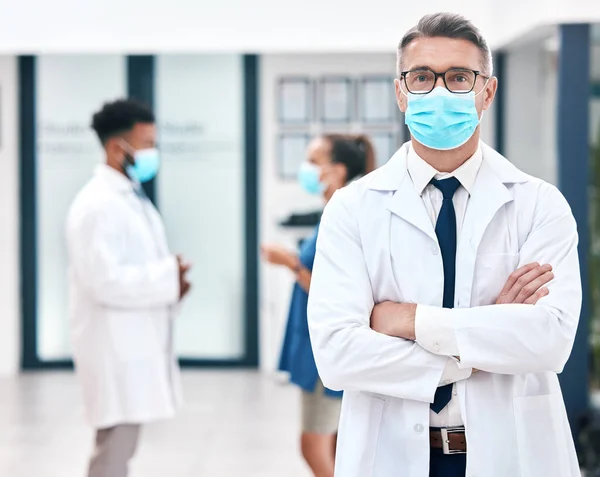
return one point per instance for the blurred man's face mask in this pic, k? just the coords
(141, 165)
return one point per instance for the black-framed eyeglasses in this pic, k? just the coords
(456, 80)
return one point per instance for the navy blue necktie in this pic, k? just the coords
(445, 229)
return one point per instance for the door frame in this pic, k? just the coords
(140, 85)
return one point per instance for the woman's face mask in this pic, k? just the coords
(309, 178)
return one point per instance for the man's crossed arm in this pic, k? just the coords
(526, 285)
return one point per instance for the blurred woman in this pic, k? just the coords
(333, 161)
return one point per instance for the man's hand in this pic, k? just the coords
(394, 319)
(184, 284)
(526, 284)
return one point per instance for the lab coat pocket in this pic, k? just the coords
(132, 335)
(359, 434)
(492, 272)
(540, 436)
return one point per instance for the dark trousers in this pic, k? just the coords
(441, 465)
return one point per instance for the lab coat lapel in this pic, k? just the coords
(488, 196)
(405, 219)
(154, 223)
(402, 198)
(408, 205)
(138, 202)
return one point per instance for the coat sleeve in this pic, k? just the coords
(516, 338)
(348, 353)
(94, 244)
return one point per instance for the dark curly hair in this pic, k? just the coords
(120, 116)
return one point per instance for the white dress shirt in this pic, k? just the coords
(428, 330)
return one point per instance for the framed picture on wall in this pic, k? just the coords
(377, 100)
(335, 99)
(294, 100)
(385, 144)
(291, 150)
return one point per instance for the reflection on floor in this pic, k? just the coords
(234, 424)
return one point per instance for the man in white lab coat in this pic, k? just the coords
(125, 286)
(428, 303)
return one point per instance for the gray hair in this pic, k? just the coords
(447, 25)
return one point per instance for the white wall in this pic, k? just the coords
(223, 26)
(488, 125)
(279, 198)
(10, 317)
(513, 19)
(530, 115)
(199, 106)
(260, 26)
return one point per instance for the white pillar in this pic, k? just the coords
(10, 316)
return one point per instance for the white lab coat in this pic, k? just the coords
(377, 243)
(124, 289)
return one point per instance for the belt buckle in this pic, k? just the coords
(446, 441)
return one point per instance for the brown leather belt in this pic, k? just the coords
(451, 440)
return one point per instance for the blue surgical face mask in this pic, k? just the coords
(145, 166)
(442, 120)
(309, 178)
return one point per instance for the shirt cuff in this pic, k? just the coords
(434, 332)
(452, 373)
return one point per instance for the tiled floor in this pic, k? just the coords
(234, 424)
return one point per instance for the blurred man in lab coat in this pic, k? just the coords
(446, 292)
(125, 286)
